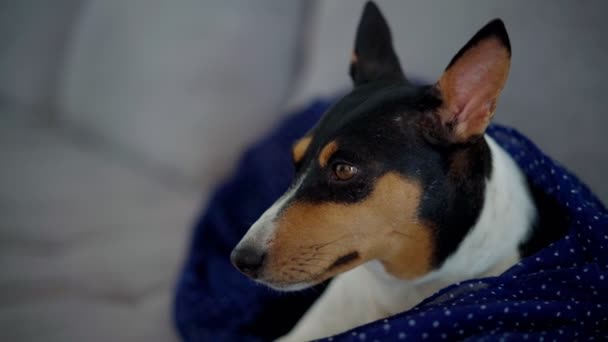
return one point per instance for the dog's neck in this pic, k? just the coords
(492, 244)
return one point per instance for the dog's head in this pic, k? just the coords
(393, 172)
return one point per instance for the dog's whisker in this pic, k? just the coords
(321, 245)
(403, 234)
(321, 254)
(318, 259)
(307, 264)
(333, 244)
(299, 270)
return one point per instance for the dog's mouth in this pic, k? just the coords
(301, 276)
(344, 260)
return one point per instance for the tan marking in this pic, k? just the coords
(311, 237)
(327, 152)
(354, 58)
(299, 148)
(471, 86)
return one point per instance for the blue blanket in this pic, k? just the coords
(561, 293)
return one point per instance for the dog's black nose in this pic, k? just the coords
(248, 260)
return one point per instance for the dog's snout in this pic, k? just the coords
(248, 260)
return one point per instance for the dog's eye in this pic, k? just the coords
(345, 172)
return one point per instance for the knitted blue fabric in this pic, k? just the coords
(560, 293)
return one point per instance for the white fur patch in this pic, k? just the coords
(504, 222)
(262, 230)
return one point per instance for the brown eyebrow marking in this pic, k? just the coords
(327, 152)
(300, 147)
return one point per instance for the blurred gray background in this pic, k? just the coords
(118, 117)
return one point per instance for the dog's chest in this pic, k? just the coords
(382, 295)
(367, 293)
(388, 295)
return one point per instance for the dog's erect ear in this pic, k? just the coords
(471, 84)
(374, 57)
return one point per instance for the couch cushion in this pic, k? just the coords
(182, 87)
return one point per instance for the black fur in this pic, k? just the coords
(550, 224)
(494, 28)
(376, 58)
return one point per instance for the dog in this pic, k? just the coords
(398, 192)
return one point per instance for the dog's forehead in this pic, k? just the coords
(366, 108)
(367, 125)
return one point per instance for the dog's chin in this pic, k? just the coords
(287, 287)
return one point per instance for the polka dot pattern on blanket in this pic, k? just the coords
(560, 293)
